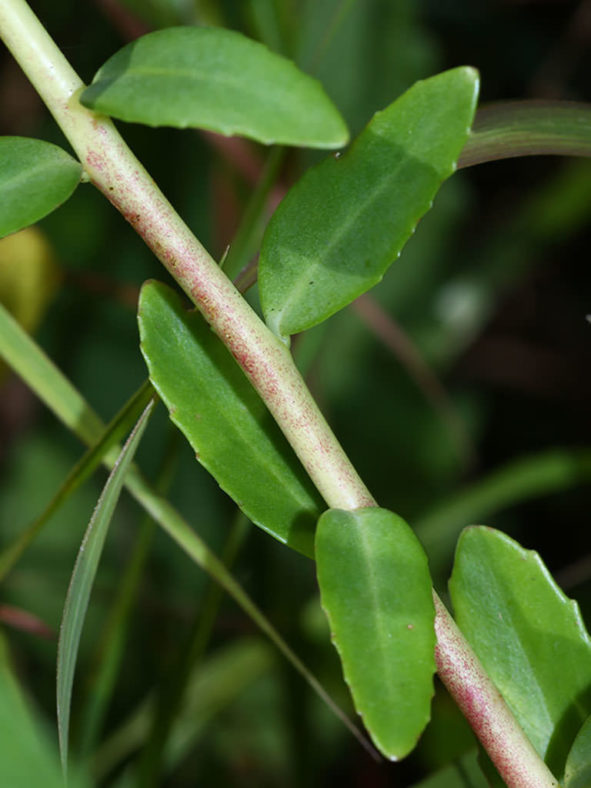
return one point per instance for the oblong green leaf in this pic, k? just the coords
(346, 220)
(376, 590)
(578, 764)
(35, 177)
(219, 80)
(528, 635)
(215, 407)
(83, 578)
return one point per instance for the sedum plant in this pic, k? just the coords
(515, 657)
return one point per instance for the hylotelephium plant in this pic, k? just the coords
(518, 660)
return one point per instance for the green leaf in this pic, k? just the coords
(528, 635)
(346, 220)
(376, 590)
(218, 80)
(83, 578)
(213, 404)
(35, 177)
(578, 764)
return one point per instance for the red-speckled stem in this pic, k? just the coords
(267, 362)
(484, 707)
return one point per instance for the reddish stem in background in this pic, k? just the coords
(20, 619)
(391, 334)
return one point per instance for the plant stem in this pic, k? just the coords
(513, 755)
(507, 129)
(264, 359)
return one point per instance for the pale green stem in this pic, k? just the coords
(265, 360)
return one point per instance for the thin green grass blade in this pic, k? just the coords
(113, 641)
(116, 630)
(27, 359)
(35, 177)
(82, 580)
(508, 129)
(115, 431)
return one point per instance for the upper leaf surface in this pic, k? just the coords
(35, 177)
(376, 590)
(213, 404)
(219, 80)
(346, 220)
(528, 635)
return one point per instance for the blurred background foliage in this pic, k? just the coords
(459, 387)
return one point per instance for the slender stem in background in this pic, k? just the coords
(545, 473)
(406, 352)
(23, 620)
(508, 129)
(338, 17)
(249, 233)
(266, 362)
(190, 655)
